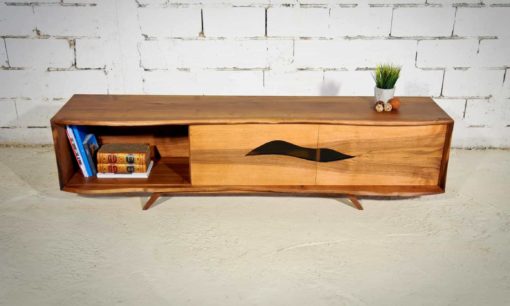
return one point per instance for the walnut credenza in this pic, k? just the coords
(327, 146)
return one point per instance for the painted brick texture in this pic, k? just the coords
(456, 51)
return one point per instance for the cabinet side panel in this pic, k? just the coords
(383, 155)
(220, 154)
(171, 141)
(446, 156)
(63, 154)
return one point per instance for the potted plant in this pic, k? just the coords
(385, 78)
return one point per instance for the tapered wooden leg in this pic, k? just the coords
(355, 202)
(151, 200)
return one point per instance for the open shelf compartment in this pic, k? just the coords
(169, 151)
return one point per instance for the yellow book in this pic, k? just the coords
(121, 168)
(133, 175)
(116, 153)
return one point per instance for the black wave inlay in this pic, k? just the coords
(280, 147)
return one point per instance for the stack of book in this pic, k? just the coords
(84, 146)
(124, 161)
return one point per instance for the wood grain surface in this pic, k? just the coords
(402, 153)
(167, 171)
(219, 155)
(170, 140)
(66, 162)
(137, 110)
(384, 155)
(144, 186)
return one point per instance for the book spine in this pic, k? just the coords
(78, 138)
(122, 158)
(72, 141)
(121, 168)
(90, 161)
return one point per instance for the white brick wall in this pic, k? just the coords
(92, 53)
(170, 82)
(70, 20)
(37, 84)
(234, 22)
(360, 20)
(348, 83)
(494, 52)
(419, 21)
(203, 83)
(479, 112)
(65, 83)
(506, 84)
(300, 22)
(486, 21)
(206, 54)
(170, 22)
(36, 112)
(20, 83)
(16, 20)
(429, 84)
(353, 54)
(51, 53)
(3, 54)
(443, 53)
(305, 83)
(472, 82)
(8, 115)
(456, 51)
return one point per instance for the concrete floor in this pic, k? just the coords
(58, 248)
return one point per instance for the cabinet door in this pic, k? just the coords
(382, 155)
(253, 154)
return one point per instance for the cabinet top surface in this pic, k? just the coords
(130, 110)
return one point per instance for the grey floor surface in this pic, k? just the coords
(58, 248)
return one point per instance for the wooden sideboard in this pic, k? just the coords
(327, 146)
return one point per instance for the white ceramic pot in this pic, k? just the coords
(384, 94)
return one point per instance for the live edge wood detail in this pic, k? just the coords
(204, 144)
(384, 155)
(219, 155)
(381, 155)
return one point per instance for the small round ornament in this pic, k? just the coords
(379, 106)
(395, 103)
(387, 107)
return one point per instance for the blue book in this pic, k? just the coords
(79, 134)
(72, 142)
(91, 146)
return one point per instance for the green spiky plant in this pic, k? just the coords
(386, 76)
